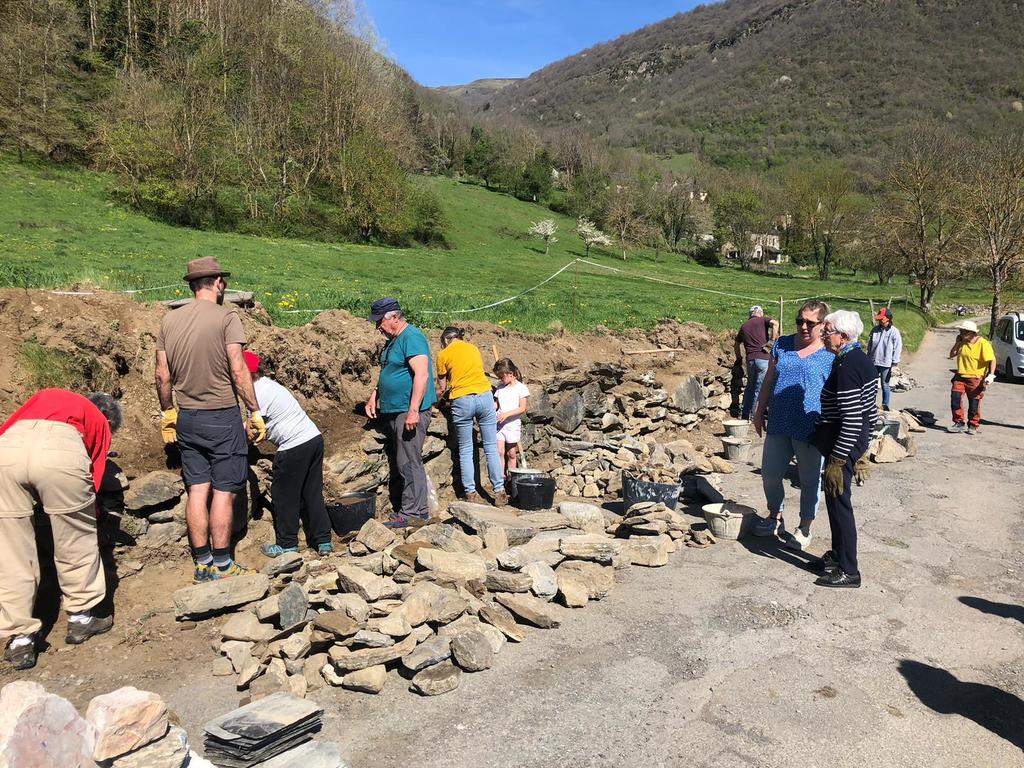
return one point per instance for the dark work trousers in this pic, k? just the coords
(844, 527)
(407, 481)
(298, 492)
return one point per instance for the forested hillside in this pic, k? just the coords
(747, 82)
(269, 116)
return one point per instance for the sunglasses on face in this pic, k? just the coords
(809, 323)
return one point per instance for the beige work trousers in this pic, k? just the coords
(42, 460)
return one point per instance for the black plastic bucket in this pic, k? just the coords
(517, 475)
(352, 510)
(535, 493)
(634, 491)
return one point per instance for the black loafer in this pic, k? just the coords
(839, 579)
(79, 632)
(22, 656)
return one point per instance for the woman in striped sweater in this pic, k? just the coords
(847, 415)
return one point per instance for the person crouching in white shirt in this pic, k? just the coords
(297, 489)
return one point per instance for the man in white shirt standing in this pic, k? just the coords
(298, 485)
(885, 345)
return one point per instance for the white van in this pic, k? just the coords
(1008, 343)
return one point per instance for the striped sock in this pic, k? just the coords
(202, 555)
(222, 558)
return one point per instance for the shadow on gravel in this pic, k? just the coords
(996, 710)
(1002, 610)
(775, 548)
(989, 423)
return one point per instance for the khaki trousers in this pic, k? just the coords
(42, 461)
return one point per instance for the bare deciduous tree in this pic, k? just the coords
(992, 208)
(919, 216)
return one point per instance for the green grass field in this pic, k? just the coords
(59, 228)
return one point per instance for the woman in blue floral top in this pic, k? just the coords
(790, 404)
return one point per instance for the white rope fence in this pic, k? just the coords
(764, 301)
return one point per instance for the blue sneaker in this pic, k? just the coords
(274, 550)
(202, 573)
(325, 549)
(769, 526)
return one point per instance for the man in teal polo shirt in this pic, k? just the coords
(402, 400)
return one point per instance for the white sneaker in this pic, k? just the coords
(799, 540)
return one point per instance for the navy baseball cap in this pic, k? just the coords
(381, 307)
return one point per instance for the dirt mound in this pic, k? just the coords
(107, 341)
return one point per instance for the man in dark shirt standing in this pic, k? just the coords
(753, 340)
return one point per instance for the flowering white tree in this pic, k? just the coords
(545, 230)
(590, 234)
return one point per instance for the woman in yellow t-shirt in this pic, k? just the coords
(461, 377)
(975, 370)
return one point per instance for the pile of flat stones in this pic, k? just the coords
(423, 606)
(603, 418)
(889, 449)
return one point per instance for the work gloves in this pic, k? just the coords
(989, 379)
(257, 427)
(834, 484)
(168, 426)
(862, 469)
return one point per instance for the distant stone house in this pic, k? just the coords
(764, 249)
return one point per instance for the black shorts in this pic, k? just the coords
(214, 448)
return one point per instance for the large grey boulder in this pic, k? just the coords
(688, 396)
(569, 413)
(481, 518)
(215, 596)
(159, 488)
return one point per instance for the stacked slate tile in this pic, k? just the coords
(255, 733)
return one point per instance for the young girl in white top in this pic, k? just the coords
(511, 397)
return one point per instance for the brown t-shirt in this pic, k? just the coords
(195, 338)
(753, 335)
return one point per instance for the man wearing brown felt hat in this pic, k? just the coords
(200, 365)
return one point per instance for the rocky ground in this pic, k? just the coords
(728, 656)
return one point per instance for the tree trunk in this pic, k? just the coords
(997, 300)
(928, 293)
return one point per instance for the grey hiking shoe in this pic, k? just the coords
(971, 430)
(956, 426)
(79, 632)
(21, 656)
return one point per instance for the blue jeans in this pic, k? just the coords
(464, 410)
(778, 450)
(884, 374)
(756, 369)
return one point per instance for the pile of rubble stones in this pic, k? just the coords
(888, 448)
(424, 605)
(585, 425)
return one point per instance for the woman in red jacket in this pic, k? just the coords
(53, 451)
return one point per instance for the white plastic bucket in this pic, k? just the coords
(729, 520)
(736, 448)
(736, 427)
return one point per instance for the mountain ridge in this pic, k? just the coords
(748, 81)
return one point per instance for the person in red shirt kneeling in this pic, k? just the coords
(53, 451)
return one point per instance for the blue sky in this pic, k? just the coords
(450, 42)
